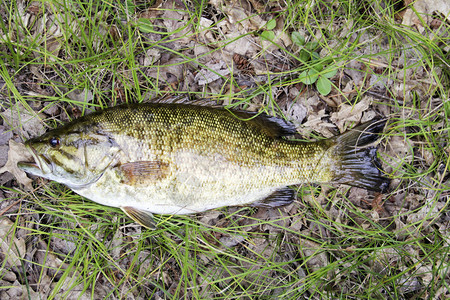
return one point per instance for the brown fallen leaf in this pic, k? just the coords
(11, 247)
(17, 152)
(350, 113)
(421, 12)
(22, 121)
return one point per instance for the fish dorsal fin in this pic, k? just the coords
(142, 217)
(278, 198)
(272, 126)
(184, 99)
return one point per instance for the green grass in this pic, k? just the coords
(329, 244)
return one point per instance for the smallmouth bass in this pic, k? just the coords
(180, 159)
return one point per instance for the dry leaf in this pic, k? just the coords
(314, 254)
(82, 96)
(3, 155)
(49, 33)
(212, 72)
(23, 121)
(17, 152)
(296, 113)
(5, 135)
(424, 10)
(231, 240)
(400, 152)
(350, 113)
(19, 291)
(315, 122)
(12, 248)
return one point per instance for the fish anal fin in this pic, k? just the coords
(278, 198)
(142, 217)
(143, 172)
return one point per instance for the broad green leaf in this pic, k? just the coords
(298, 39)
(328, 73)
(304, 55)
(318, 66)
(323, 85)
(311, 45)
(268, 35)
(308, 76)
(145, 25)
(315, 55)
(271, 24)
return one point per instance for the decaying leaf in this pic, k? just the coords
(400, 151)
(212, 72)
(17, 152)
(23, 121)
(350, 113)
(12, 248)
(297, 112)
(5, 135)
(314, 254)
(423, 12)
(19, 291)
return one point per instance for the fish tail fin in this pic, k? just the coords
(359, 165)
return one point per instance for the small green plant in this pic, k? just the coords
(145, 25)
(318, 72)
(268, 33)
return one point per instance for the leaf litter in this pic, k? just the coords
(225, 55)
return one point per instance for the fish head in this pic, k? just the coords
(76, 155)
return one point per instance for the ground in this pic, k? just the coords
(326, 66)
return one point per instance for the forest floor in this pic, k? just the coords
(325, 65)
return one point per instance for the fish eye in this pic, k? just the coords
(54, 141)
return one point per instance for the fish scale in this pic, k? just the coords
(176, 159)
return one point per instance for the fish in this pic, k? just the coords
(178, 158)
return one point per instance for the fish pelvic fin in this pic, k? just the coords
(357, 163)
(142, 217)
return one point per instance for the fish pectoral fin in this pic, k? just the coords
(143, 172)
(142, 217)
(278, 198)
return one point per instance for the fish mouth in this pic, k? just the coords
(40, 166)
